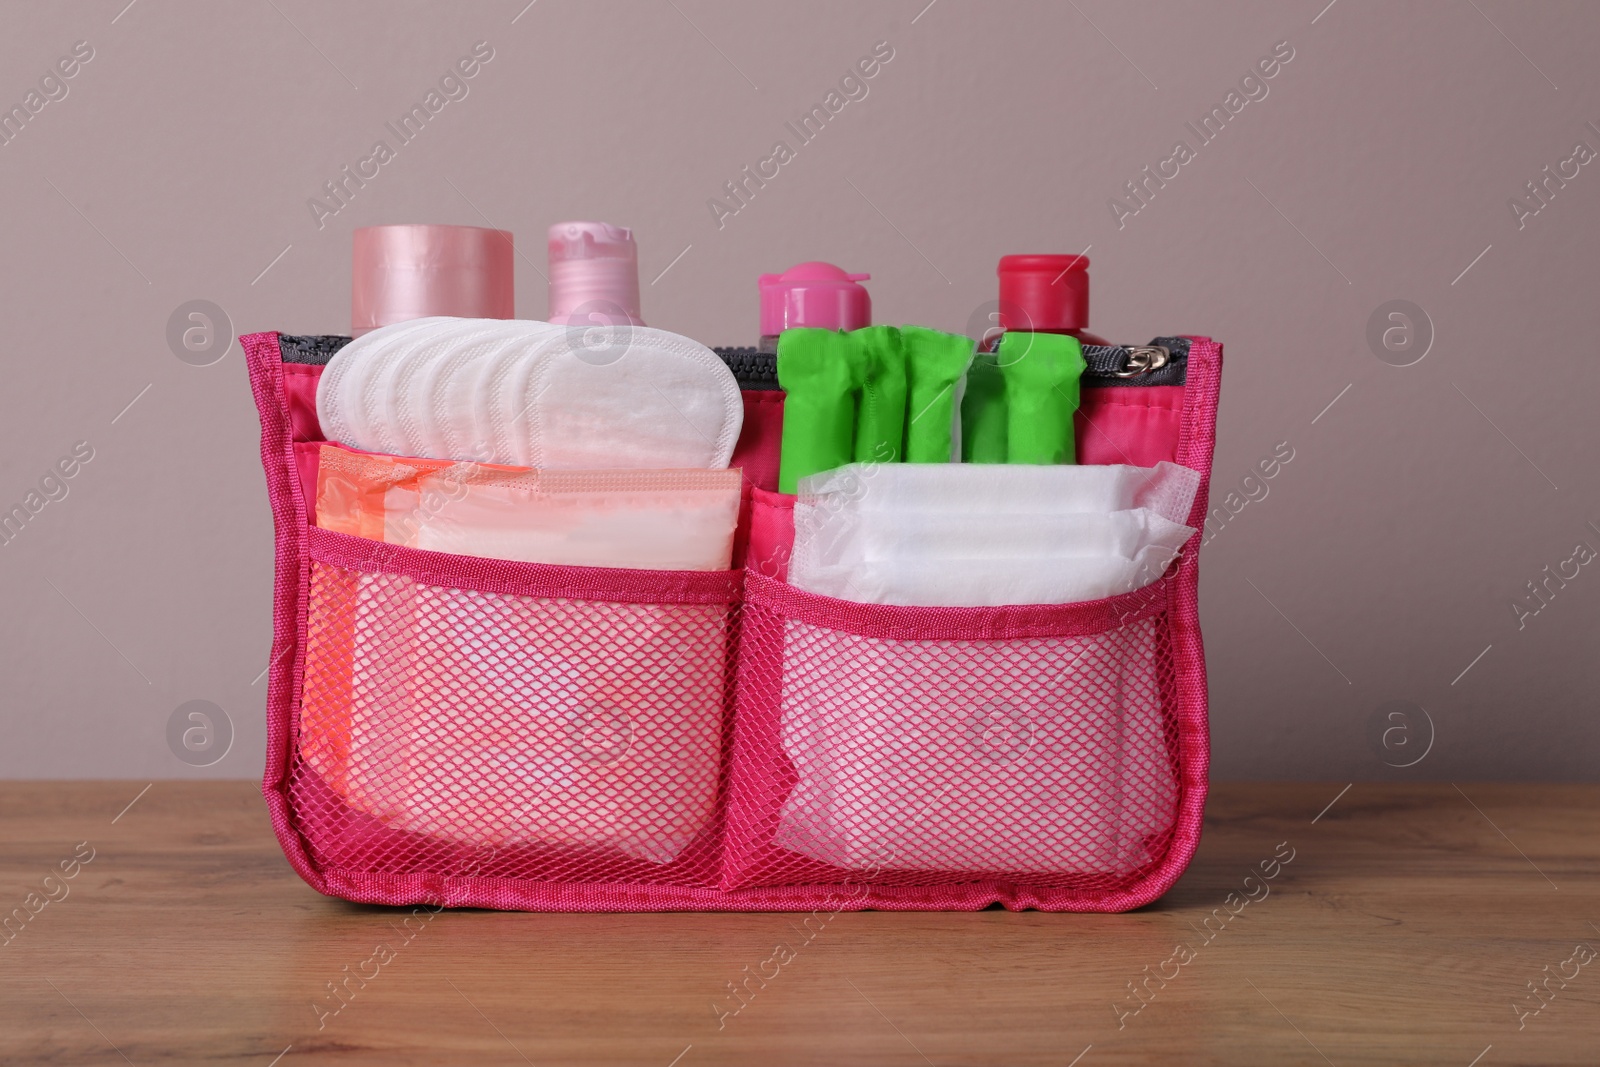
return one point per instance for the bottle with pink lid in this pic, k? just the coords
(418, 270)
(812, 294)
(594, 275)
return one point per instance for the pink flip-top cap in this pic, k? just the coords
(594, 274)
(814, 294)
(415, 270)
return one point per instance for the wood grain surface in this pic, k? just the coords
(1414, 923)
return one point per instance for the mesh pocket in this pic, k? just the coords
(921, 745)
(551, 737)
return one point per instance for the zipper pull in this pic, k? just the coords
(1143, 359)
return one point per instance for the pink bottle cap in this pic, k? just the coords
(814, 294)
(594, 274)
(414, 270)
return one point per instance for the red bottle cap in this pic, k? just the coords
(1044, 292)
(415, 271)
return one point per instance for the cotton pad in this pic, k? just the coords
(664, 401)
(530, 394)
(443, 410)
(344, 379)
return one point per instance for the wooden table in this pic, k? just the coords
(1405, 929)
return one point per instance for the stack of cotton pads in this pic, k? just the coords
(531, 394)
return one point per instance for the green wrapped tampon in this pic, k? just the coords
(983, 412)
(821, 371)
(881, 414)
(935, 362)
(1042, 374)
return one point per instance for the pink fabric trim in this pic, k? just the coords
(895, 623)
(520, 895)
(523, 579)
(1196, 446)
(291, 580)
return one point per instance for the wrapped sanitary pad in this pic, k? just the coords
(960, 535)
(649, 519)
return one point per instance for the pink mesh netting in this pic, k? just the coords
(914, 745)
(581, 735)
(462, 731)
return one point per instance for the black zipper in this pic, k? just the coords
(1161, 362)
(752, 368)
(315, 349)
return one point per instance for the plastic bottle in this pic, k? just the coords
(594, 275)
(416, 270)
(1024, 414)
(812, 294)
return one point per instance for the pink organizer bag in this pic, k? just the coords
(460, 731)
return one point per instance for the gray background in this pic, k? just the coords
(1382, 562)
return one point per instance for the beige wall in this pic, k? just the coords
(1383, 559)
